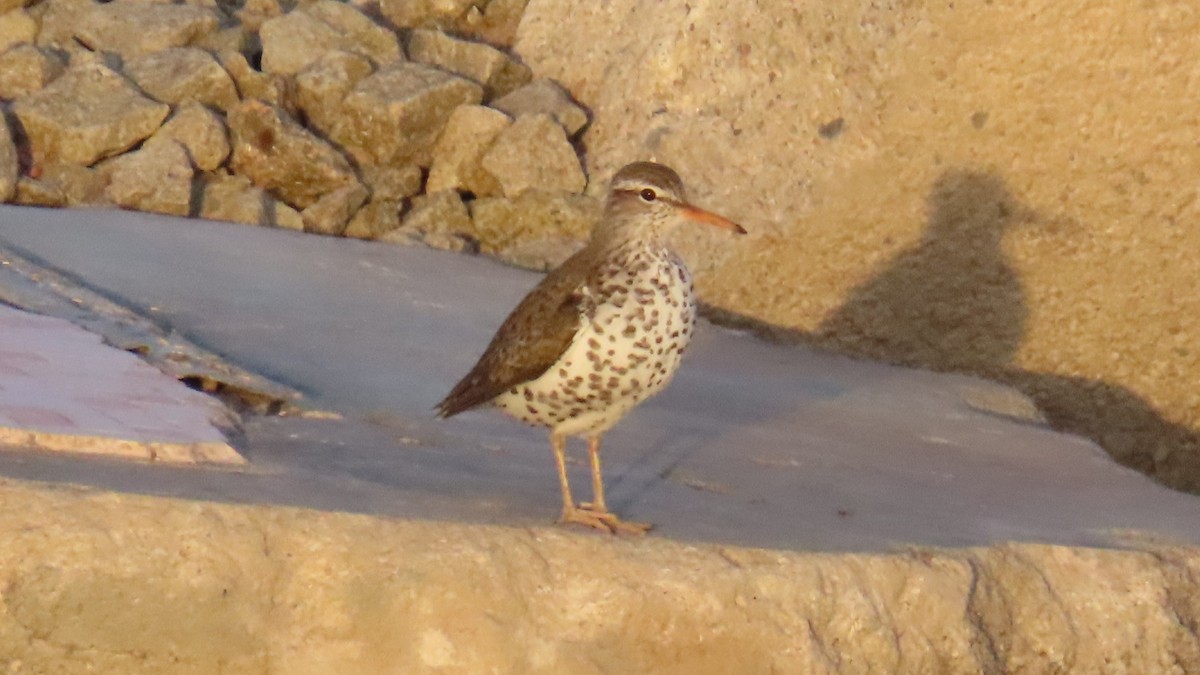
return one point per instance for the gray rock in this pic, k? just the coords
(496, 23)
(395, 115)
(200, 131)
(183, 74)
(439, 219)
(251, 84)
(333, 210)
(9, 166)
(502, 223)
(281, 156)
(156, 178)
(498, 72)
(393, 182)
(416, 13)
(16, 27)
(133, 28)
(544, 96)
(322, 87)
(469, 133)
(534, 153)
(88, 113)
(293, 41)
(25, 69)
(375, 219)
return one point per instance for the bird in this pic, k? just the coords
(598, 335)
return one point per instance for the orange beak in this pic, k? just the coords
(699, 215)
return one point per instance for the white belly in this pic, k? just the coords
(628, 348)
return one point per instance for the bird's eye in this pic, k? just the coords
(648, 195)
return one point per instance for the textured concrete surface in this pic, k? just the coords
(1003, 188)
(62, 389)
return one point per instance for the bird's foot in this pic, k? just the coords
(603, 520)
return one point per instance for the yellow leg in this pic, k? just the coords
(558, 443)
(597, 476)
(597, 511)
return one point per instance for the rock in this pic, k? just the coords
(200, 131)
(294, 41)
(236, 38)
(395, 115)
(235, 199)
(254, 13)
(322, 87)
(9, 166)
(157, 178)
(534, 153)
(79, 185)
(417, 13)
(333, 210)
(59, 19)
(439, 219)
(133, 28)
(183, 74)
(496, 24)
(88, 113)
(281, 156)
(541, 255)
(544, 96)
(469, 134)
(251, 84)
(373, 220)
(16, 27)
(25, 69)
(10, 5)
(496, 71)
(535, 216)
(283, 216)
(35, 192)
(393, 182)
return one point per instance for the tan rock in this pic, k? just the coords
(439, 219)
(279, 155)
(395, 115)
(294, 41)
(88, 113)
(322, 87)
(496, 24)
(544, 96)
(502, 223)
(376, 218)
(233, 199)
(9, 166)
(133, 28)
(79, 185)
(469, 134)
(254, 13)
(252, 84)
(16, 27)
(534, 153)
(157, 178)
(329, 214)
(496, 71)
(183, 74)
(283, 216)
(417, 13)
(35, 192)
(235, 38)
(10, 5)
(200, 131)
(25, 69)
(59, 19)
(393, 182)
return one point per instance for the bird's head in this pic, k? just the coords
(647, 200)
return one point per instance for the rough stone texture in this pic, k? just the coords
(16, 27)
(322, 87)
(252, 84)
(254, 13)
(236, 38)
(376, 218)
(393, 182)
(552, 222)
(909, 122)
(9, 166)
(37, 192)
(395, 115)
(544, 96)
(96, 582)
(183, 74)
(200, 131)
(237, 200)
(469, 134)
(333, 210)
(79, 185)
(59, 20)
(439, 219)
(496, 24)
(534, 153)
(25, 69)
(294, 41)
(282, 157)
(498, 72)
(9, 5)
(88, 113)
(156, 178)
(133, 28)
(417, 13)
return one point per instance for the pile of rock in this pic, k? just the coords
(406, 121)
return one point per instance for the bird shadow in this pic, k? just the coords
(952, 302)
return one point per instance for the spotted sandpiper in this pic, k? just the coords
(600, 334)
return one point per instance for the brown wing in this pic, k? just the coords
(529, 341)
